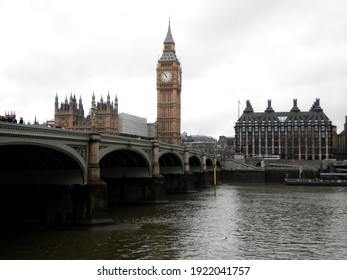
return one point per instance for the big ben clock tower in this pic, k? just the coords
(169, 94)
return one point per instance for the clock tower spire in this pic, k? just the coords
(169, 42)
(169, 74)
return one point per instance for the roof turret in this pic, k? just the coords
(249, 108)
(295, 106)
(269, 108)
(316, 106)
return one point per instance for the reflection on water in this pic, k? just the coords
(236, 222)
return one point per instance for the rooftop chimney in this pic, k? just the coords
(249, 108)
(295, 106)
(269, 108)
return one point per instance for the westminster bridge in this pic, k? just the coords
(41, 164)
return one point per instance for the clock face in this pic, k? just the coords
(166, 76)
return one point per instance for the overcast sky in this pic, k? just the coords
(229, 50)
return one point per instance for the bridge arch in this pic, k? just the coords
(39, 163)
(195, 164)
(171, 163)
(124, 162)
(218, 165)
(209, 164)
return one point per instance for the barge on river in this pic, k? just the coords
(326, 179)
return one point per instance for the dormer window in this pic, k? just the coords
(282, 118)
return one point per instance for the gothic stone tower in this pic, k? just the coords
(169, 94)
(107, 115)
(69, 114)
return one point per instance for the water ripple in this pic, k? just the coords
(236, 222)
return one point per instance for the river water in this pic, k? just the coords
(248, 221)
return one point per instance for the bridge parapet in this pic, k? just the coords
(11, 129)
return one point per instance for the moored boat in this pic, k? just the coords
(326, 179)
(315, 182)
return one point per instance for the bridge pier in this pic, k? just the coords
(202, 179)
(95, 189)
(157, 180)
(179, 183)
(188, 177)
(158, 189)
(136, 190)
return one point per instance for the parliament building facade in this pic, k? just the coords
(70, 115)
(303, 135)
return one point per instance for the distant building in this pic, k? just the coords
(132, 125)
(8, 117)
(340, 143)
(291, 135)
(152, 130)
(70, 115)
(202, 142)
(225, 146)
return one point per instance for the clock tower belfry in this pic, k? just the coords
(169, 77)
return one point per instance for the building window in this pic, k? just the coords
(282, 118)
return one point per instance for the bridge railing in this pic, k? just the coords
(130, 141)
(34, 130)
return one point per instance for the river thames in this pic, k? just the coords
(242, 221)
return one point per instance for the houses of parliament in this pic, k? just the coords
(70, 113)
